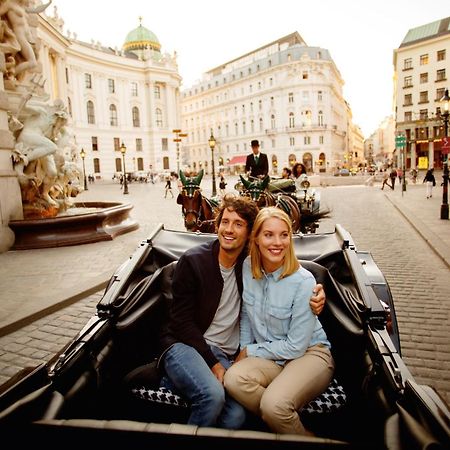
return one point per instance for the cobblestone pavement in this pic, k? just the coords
(417, 274)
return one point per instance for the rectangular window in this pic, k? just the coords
(273, 143)
(407, 64)
(111, 86)
(408, 116)
(439, 94)
(157, 91)
(440, 75)
(304, 75)
(138, 144)
(94, 142)
(441, 55)
(117, 144)
(165, 144)
(88, 81)
(291, 97)
(319, 96)
(134, 89)
(424, 59)
(423, 97)
(424, 77)
(423, 113)
(292, 141)
(67, 75)
(307, 140)
(407, 82)
(320, 139)
(408, 100)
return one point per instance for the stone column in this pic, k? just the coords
(10, 196)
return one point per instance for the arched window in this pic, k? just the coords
(308, 118)
(320, 119)
(159, 118)
(136, 119)
(90, 112)
(113, 115)
(69, 106)
(272, 121)
(291, 120)
(96, 165)
(140, 164)
(243, 127)
(261, 124)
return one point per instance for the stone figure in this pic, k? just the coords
(40, 160)
(16, 37)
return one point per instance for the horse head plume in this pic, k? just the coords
(199, 177)
(245, 182)
(183, 177)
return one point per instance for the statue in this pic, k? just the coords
(16, 37)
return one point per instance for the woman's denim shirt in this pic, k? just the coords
(277, 322)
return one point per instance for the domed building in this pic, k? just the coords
(141, 39)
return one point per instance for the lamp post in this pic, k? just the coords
(179, 135)
(212, 144)
(83, 155)
(444, 149)
(123, 150)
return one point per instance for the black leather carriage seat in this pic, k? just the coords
(329, 401)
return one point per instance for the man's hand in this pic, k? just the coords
(318, 299)
(242, 355)
(219, 371)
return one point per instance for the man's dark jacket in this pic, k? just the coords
(262, 168)
(197, 287)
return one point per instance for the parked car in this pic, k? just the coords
(79, 399)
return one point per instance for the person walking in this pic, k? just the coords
(393, 176)
(385, 180)
(222, 185)
(430, 181)
(168, 187)
(285, 359)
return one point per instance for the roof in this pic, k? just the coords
(141, 38)
(427, 31)
(237, 160)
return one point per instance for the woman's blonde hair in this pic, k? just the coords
(290, 263)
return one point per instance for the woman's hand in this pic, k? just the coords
(317, 301)
(219, 371)
(242, 355)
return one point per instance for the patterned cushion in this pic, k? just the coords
(330, 400)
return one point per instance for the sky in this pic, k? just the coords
(361, 35)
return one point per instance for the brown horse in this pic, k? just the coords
(198, 211)
(258, 192)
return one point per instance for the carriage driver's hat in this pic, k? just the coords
(254, 143)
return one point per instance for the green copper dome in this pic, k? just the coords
(141, 38)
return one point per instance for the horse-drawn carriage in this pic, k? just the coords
(80, 397)
(302, 205)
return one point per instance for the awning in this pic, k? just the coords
(237, 161)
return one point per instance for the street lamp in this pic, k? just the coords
(444, 114)
(83, 155)
(212, 144)
(123, 150)
(178, 140)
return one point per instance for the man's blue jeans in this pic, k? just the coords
(189, 376)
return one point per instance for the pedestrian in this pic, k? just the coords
(393, 176)
(285, 359)
(168, 187)
(385, 180)
(414, 175)
(256, 164)
(201, 337)
(400, 176)
(431, 182)
(299, 175)
(286, 173)
(222, 185)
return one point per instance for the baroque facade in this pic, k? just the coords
(286, 94)
(422, 65)
(128, 95)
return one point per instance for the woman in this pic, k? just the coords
(431, 182)
(285, 359)
(299, 175)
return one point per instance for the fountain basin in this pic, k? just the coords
(102, 221)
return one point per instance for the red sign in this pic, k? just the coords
(445, 145)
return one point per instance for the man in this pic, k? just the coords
(257, 164)
(202, 336)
